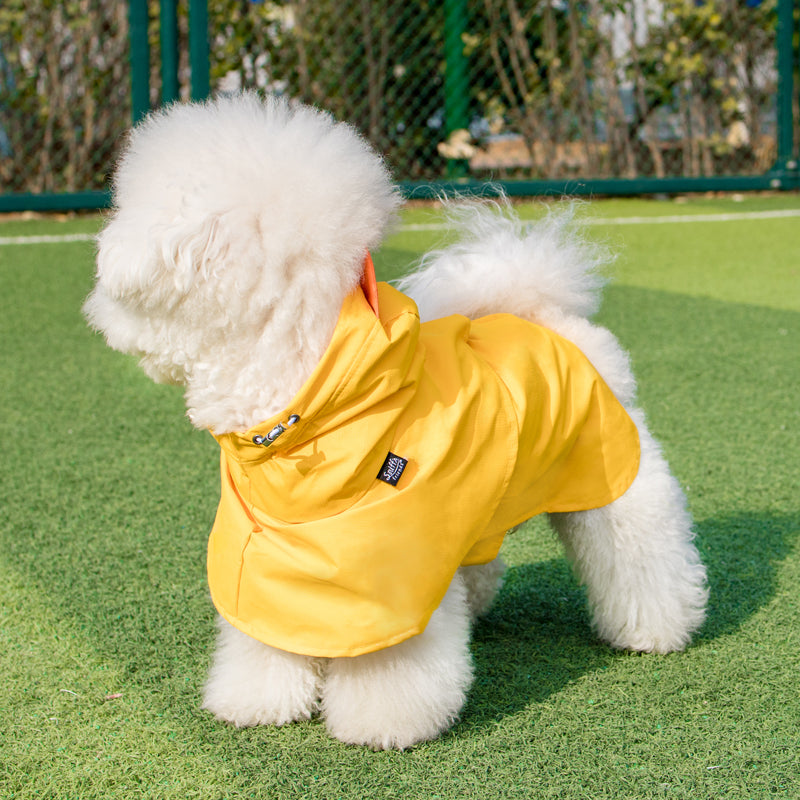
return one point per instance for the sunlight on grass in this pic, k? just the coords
(108, 496)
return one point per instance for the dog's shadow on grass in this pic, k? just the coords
(535, 640)
(537, 637)
(742, 554)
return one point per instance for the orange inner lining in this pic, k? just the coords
(369, 284)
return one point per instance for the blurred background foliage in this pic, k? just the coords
(487, 89)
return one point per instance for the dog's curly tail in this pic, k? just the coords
(539, 270)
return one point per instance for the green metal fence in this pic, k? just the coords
(536, 96)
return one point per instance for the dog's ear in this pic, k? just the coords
(157, 262)
(187, 248)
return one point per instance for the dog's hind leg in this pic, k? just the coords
(482, 581)
(251, 683)
(645, 582)
(409, 693)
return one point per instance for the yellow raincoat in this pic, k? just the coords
(491, 422)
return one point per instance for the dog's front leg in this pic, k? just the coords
(408, 693)
(251, 683)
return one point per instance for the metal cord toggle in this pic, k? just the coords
(277, 431)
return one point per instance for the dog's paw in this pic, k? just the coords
(251, 683)
(406, 694)
(271, 698)
(385, 727)
(662, 624)
(386, 708)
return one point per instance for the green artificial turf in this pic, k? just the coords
(108, 495)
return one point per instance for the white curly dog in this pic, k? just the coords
(238, 236)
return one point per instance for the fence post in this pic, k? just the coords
(785, 58)
(198, 48)
(456, 94)
(170, 89)
(786, 163)
(140, 59)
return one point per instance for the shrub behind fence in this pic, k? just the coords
(64, 93)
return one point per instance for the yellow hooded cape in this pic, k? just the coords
(492, 421)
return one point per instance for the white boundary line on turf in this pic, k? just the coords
(56, 239)
(675, 218)
(734, 216)
(66, 238)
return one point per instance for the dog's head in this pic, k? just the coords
(233, 220)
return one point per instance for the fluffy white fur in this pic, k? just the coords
(240, 227)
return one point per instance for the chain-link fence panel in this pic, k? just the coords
(513, 89)
(378, 65)
(500, 90)
(64, 93)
